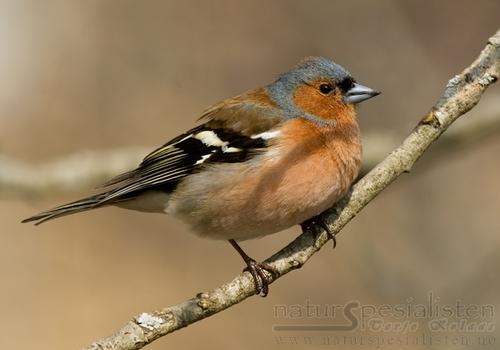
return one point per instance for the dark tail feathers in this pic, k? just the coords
(70, 208)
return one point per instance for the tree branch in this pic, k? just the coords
(462, 93)
(67, 174)
(470, 132)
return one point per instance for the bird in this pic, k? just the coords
(257, 163)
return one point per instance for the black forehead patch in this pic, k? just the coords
(346, 84)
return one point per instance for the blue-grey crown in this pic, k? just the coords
(314, 67)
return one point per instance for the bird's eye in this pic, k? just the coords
(325, 88)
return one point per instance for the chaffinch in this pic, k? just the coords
(258, 163)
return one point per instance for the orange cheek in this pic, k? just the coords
(326, 107)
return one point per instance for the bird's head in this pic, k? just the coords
(319, 87)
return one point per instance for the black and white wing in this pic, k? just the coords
(165, 167)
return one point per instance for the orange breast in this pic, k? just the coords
(303, 174)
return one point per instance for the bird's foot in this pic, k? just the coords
(317, 220)
(262, 273)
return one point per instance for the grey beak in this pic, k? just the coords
(358, 93)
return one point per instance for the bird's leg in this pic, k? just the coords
(260, 271)
(317, 220)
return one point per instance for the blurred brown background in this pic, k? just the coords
(78, 75)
